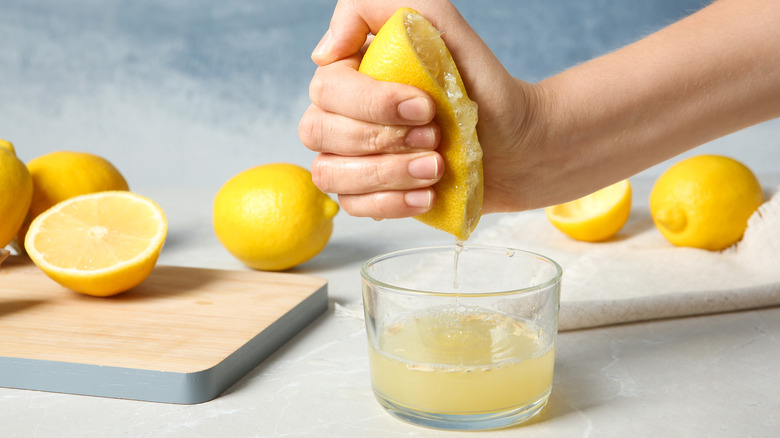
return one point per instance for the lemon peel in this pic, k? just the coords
(16, 191)
(595, 217)
(272, 217)
(100, 243)
(61, 175)
(705, 201)
(408, 49)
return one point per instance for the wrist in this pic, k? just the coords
(525, 155)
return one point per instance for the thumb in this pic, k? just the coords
(350, 25)
(345, 36)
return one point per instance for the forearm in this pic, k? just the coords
(712, 73)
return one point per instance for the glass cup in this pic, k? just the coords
(461, 337)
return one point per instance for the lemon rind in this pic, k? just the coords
(151, 251)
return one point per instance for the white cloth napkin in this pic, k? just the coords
(638, 275)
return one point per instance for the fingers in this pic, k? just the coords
(389, 205)
(350, 25)
(380, 186)
(376, 140)
(376, 173)
(322, 131)
(353, 20)
(341, 88)
(354, 114)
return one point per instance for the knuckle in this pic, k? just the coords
(379, 106)
(322, 175)
(317, 88)
(373, 142)
(375, 175)
(309, 129)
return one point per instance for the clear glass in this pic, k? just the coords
(462, 337)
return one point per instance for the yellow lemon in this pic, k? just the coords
(705, 201)
(98, 244)
(595, 217)
(15, 193)
(408, 49)
(272, 217)
(7, 145)
(61, 175)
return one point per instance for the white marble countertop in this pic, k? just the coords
(712, 375)
(196, 92)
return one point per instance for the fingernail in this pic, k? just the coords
(422, 137)
(415, 110)
(426, 167)
(322, 46)
(419, 198)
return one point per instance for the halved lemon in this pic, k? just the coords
(409, 50)
(98, 244)
(594, 217)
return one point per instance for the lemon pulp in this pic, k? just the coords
(408, 49)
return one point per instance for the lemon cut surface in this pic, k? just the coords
(98, 244)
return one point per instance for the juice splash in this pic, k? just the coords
(452, 361)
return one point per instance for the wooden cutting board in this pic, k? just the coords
(183, 336)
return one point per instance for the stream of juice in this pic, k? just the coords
(455, 277)
(456, 361)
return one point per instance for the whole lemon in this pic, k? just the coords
(61, 175)
(15, 192)
(272, 217)
(705, 202)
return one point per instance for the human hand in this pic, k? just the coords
(376, 140)
(589, 126)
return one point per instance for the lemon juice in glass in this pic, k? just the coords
(461, 337)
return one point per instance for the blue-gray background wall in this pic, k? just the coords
(190, 92)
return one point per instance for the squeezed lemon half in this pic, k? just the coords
(408, 49)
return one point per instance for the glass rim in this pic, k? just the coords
(556, 278)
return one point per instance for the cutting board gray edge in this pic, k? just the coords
(162, 386)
